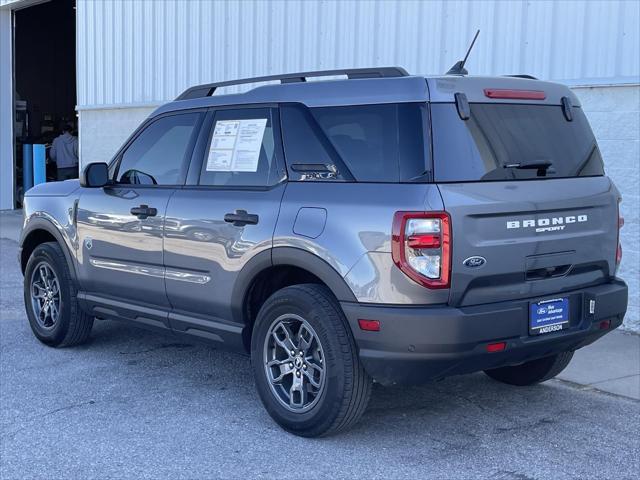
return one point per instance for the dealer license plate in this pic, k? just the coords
(548, 316)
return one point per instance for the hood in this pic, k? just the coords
(54, 189)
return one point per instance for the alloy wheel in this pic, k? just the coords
(45, 295)
(294, 363)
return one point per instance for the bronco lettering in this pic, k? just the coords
(547, 224)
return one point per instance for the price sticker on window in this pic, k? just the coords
(236, 144)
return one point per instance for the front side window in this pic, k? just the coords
(157, 156)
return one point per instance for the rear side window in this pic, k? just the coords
(242, 150)
(365, 143)
(157, 155)
(500, 140)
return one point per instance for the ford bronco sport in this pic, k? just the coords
(380, 227)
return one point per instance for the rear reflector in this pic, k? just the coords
(605, 324)
(496, 347)
(369, 325)
(515, 94)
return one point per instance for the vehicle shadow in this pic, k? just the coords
(469, 407)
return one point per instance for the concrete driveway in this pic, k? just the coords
(140, 405)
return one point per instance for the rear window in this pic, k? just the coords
(363, 143)
(500, 140)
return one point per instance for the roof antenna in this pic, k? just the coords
(458, 67)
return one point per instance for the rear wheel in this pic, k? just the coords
(50, 299)
(530, 373)
(305, 363)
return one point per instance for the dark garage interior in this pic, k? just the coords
(45, 78)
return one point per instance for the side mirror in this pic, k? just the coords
(95, 175)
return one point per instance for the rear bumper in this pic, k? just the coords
(417, 344)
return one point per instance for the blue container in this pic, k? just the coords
(39, 164)
(27, 166)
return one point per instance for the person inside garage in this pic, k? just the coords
(64, 152)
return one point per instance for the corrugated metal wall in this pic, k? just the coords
(139, 52)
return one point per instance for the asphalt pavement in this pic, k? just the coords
(136, 404)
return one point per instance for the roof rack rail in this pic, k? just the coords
(208, 89)
(523, 75)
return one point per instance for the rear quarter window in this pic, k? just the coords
(499, 135)
(366, 143)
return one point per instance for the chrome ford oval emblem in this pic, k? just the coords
(475, 261)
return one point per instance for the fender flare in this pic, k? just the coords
(43, 223)
(287, 256)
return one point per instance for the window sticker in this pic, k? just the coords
(235, 146)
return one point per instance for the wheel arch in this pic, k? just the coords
(38, 231)
(281, 266)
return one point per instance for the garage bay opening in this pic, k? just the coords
(45, 129)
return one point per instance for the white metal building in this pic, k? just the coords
(132, 55)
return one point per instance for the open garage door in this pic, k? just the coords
(44, 93)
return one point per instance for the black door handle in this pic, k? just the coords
(241, 218)
(144, 211)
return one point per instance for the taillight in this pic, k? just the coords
(421, 247)
(620, 225)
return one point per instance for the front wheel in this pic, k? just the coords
(50, 299)
(307, 370)
(530, 373)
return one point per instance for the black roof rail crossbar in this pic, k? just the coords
(208, 89)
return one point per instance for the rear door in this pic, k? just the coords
(223, 218)
(532, 212)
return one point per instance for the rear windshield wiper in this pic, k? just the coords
(541, 165)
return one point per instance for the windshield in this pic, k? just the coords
(512, 141)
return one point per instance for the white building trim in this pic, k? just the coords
(7, 168)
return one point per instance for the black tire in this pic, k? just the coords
(530, 373)
(73, 325)
(347, 387)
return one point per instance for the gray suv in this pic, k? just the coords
(379, 227)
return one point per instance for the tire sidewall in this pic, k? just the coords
(55, 335)
(323, 414)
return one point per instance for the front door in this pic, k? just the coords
(224, 218)
(120, 227)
